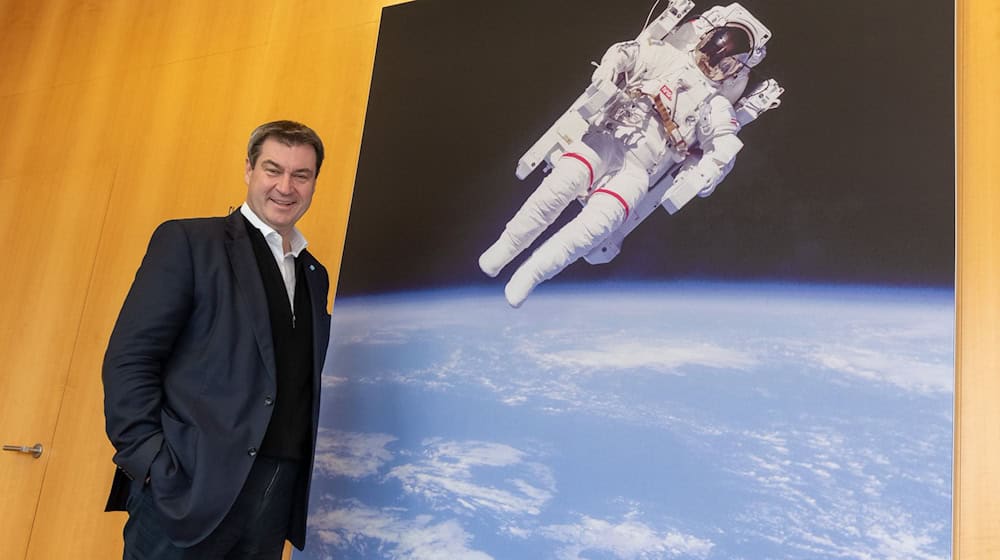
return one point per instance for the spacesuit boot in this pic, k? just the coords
(498, 255)
(570, 177)
(598, 219)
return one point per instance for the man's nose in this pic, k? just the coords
(284, 185)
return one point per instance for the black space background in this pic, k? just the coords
(851, 180)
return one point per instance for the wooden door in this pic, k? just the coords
(55, 175)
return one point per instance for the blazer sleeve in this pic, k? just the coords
(155, 312)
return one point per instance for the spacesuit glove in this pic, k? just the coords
(604, 72)
(616, 60)
(763, 98)
(688, 184)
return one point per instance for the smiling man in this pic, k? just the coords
(212, 373)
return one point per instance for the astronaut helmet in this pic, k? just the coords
(723, 51)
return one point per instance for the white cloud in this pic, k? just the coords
(626, 540)
(330, 381)
(385, 533)
(829, 493)
(898, 368)
(351, 454)
(468, 454)
(447, 477)
(904, 543)
(658, 355)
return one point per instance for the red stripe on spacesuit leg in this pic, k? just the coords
(616, 195)
(590, 169)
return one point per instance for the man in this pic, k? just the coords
(675, 108)
(212, 373)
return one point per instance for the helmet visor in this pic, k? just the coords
(723, 52)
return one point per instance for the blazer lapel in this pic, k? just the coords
(251, 288)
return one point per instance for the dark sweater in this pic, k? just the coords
(287, 435)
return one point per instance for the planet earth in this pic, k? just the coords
(638, 421)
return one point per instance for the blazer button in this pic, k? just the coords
(268, 401)
(252, 452)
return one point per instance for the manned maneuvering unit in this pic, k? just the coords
(657, 126)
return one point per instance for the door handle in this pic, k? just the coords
(35, 451)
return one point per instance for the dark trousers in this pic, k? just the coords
(254, 529)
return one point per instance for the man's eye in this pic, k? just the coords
(271, 172)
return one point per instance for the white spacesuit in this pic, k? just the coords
(671, 111)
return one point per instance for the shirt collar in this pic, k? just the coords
(298, 241)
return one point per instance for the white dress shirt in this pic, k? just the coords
(286, 261)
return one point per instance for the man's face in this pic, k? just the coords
(280, 187)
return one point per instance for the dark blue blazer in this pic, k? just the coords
(189, 374)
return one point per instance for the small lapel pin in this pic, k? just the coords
(312, 267)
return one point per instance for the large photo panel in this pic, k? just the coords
(765, 372)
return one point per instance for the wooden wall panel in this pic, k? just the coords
(157, 130)
(57, 42)
(977, 388)
(194, 28)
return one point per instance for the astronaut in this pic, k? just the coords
(673, 111)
